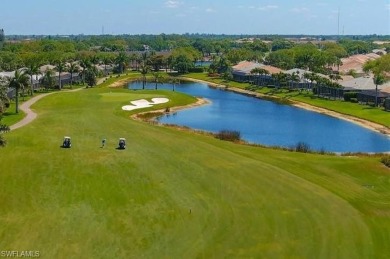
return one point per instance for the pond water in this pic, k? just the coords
(269, 123)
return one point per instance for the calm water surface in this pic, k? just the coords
(268, 123)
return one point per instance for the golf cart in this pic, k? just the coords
(66, 143)
(122, 143)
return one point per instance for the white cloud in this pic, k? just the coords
(322, 4)
(388, 6)
(300, 10)
(173, 3)
(268, 7)
(210, 10)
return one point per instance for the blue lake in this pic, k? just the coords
(269, 123)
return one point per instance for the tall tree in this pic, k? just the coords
(72, 68)
(174, 81)
(158, 78)
(258, 71)
(32, 69)
(18, 82)
(121, 60)
(379, 79)
(4, 101)
(90, 77)
(106, 61)
(85, 64)
(144, 71)
(47, 79)
(60, 67)
(379, 68)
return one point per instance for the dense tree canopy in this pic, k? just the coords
(379, 65)
(180, 50)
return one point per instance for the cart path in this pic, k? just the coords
(31, 115)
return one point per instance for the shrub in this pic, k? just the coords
(229, 135)
(213, 75)
(196, 70)
(348, 96)
(302, 147)
(386, 160)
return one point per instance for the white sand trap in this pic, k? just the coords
(142, 103)
(160, 100)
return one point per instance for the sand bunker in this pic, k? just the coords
(139, 104)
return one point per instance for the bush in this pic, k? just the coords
(213, 75)
(386, 160)
(229, 135)
(302, 147)
(196, 70)
(348, 96)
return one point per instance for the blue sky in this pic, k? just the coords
(318, 17)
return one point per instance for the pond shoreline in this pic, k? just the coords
(361, 122)
(199, 102)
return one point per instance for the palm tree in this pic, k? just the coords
(3, 101)
(72, 68)
(95, 59)
(134, 63)
(158, 78)
(144, 57)
(84, 64)
(294, 78)
(106, 61)
(60, 67)
(19, 81)
(174, 81)
(121, 61)
(144, 70)
(138, 62)
(32, 69)
(47, 79)
(379, 79)
(260, 72)
(3, 94)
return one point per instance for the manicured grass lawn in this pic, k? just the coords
(10, 117)
(176, 194)
(361, 111)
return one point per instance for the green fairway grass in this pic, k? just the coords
(177, 194)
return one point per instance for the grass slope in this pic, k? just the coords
(176, 194)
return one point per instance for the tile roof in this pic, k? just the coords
(362, 83)
(355, 62)
(245, 67)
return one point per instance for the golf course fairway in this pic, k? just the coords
(178, 194)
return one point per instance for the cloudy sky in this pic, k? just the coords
(317, 17)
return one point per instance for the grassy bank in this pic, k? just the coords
(176, 194)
